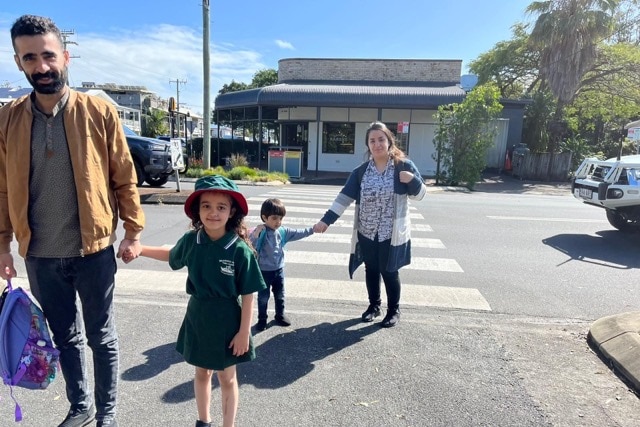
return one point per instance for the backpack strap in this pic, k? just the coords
(260, 240)
(263, 235)
(283, 236)
(22, 368)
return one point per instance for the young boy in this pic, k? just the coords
(269, 239)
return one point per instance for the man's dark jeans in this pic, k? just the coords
(376, 255)
(55, 282)
(275, 282)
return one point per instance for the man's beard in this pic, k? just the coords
(59, 80)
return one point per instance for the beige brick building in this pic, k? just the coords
(322, 108)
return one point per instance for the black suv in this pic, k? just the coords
(152, 158)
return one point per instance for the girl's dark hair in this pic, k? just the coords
(235, 222)
(395, 153)
(272, 207)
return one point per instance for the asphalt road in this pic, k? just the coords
(493, 328)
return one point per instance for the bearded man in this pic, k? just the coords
(66, 174)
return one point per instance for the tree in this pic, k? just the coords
(566, 34)
(512, 65)
(464, 135)
(234, 86)
(155, 123)
(266, 77)
(261, 78)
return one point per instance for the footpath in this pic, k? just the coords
(615, 338)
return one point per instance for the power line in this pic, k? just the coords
(65, 34)
(178, 83)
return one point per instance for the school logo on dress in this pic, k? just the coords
(226, 267)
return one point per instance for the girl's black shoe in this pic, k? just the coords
(391, 319)
(372, 312)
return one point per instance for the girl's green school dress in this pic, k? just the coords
(219, 272)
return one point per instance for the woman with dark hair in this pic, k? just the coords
(381, 187)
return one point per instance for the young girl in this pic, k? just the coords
(216, 332)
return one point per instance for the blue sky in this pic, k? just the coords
(150, 43)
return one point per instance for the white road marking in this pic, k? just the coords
(299, 222)
(133, 282)
(326, 258)
(532, 218)
(416, 242)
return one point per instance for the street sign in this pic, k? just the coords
(177, 161)
(633, 134)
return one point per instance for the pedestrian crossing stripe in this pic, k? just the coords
(416, 242)
(321, 211)
(134, 282)
(326, 258)
(311, 191)
(299, 222)
(311, 201)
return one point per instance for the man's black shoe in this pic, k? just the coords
(372, 312)
(282, 320)
(391, 319)
(76, 418)
(111, 422)
(261, 325)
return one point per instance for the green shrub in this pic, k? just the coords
(239, 173)
(242, 172)
(237, 160)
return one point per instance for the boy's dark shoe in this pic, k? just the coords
(282, 320)
(202, 424)
(111, 422)
(391, 319)
(372, 312)
(261, 325)
(77, 418)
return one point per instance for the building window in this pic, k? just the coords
(338, 138)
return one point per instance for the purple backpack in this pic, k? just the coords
(27, 356)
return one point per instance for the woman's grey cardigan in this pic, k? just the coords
(400, 251)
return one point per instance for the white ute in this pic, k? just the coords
(614, 185)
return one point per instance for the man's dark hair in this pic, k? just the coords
(272, 207)
(31, 25)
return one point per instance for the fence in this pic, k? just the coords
(542, 166)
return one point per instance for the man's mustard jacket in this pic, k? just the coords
(103, 171)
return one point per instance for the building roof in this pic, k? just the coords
(341, 95)
(9, 94)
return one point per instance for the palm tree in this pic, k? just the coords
(156, 123)
(566, 33)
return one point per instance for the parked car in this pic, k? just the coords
(614, 185)
(185, 151)
(151, 157)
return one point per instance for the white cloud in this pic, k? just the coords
(284, 45)
(150, 57)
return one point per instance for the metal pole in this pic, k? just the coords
(206, 144)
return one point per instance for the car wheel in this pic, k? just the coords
(139, 174)
(617, 220)
(157, 180)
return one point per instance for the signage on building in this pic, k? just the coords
(403, 127)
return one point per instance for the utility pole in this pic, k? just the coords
(206, 143)
(65, 34)
(178, 83)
